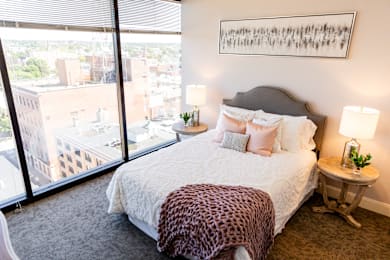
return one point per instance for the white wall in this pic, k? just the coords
(327, 84)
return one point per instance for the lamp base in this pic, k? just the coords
(195, 118)
(351, 145)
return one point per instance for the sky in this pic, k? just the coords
(60, 35)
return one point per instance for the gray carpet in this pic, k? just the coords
(74, 225)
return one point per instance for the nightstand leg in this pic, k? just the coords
(346, 212)
(343, 194)
(328, 205)
(324, 190)
(357, 199)
(178, 137)
(322, 209)
(350, 220)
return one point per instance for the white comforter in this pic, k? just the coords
(139, 188)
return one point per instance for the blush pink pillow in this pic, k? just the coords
(227, 123)
(261, 138)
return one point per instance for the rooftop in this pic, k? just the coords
(103, 139)
(38, 87)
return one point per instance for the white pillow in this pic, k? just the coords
(308, 135)
(294, 137)
(237, 113)
(297, 131)
(271, 121)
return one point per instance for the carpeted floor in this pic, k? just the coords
(74, 225)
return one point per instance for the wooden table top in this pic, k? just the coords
(189, 130)
(331, 167)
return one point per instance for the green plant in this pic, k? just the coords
(186, 116)
(360, 161)
(5, 123)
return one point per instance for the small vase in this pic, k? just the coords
(189, 123)
(356, 171)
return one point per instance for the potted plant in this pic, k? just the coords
(186, 116)
(360, 161)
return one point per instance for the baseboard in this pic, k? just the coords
(366, 203)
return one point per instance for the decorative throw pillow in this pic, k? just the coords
(226, 123)
(261, 138)
(272, 121)
(235, 141)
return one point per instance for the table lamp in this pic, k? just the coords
(196, 96)
(356, 122)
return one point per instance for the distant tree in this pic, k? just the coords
(34, 68)
(5, 124)
(36, 64)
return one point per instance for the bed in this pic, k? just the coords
(139, 188)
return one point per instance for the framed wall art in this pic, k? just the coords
(322, 35)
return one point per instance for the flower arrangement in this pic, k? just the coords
(186, 116)
(360, 161)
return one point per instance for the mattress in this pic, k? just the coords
(139, 188)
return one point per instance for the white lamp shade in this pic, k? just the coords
(358, 122)
(196, 95)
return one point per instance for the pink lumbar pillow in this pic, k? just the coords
(227, 123)
(261, 138)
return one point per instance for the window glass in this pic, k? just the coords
(152, 82)
(11, 178)
(65, 95)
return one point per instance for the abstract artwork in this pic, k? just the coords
(325, 35)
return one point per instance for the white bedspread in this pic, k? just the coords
(139, 188)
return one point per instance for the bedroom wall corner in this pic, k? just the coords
(327, 84)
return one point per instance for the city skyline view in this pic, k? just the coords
(64, 90)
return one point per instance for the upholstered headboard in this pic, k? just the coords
(278, 101)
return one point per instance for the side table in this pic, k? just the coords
(179, 128)
(331, 168)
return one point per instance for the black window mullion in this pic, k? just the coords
(14, 122)
(119, 80)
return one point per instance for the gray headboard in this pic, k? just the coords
(278, 101)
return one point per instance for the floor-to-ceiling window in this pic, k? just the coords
(151, 71)
(62, 67)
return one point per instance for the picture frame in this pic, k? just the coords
(320, 35)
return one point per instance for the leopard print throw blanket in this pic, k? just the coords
(211, 221)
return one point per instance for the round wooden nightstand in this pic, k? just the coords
(179, 128)
(331, 168)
